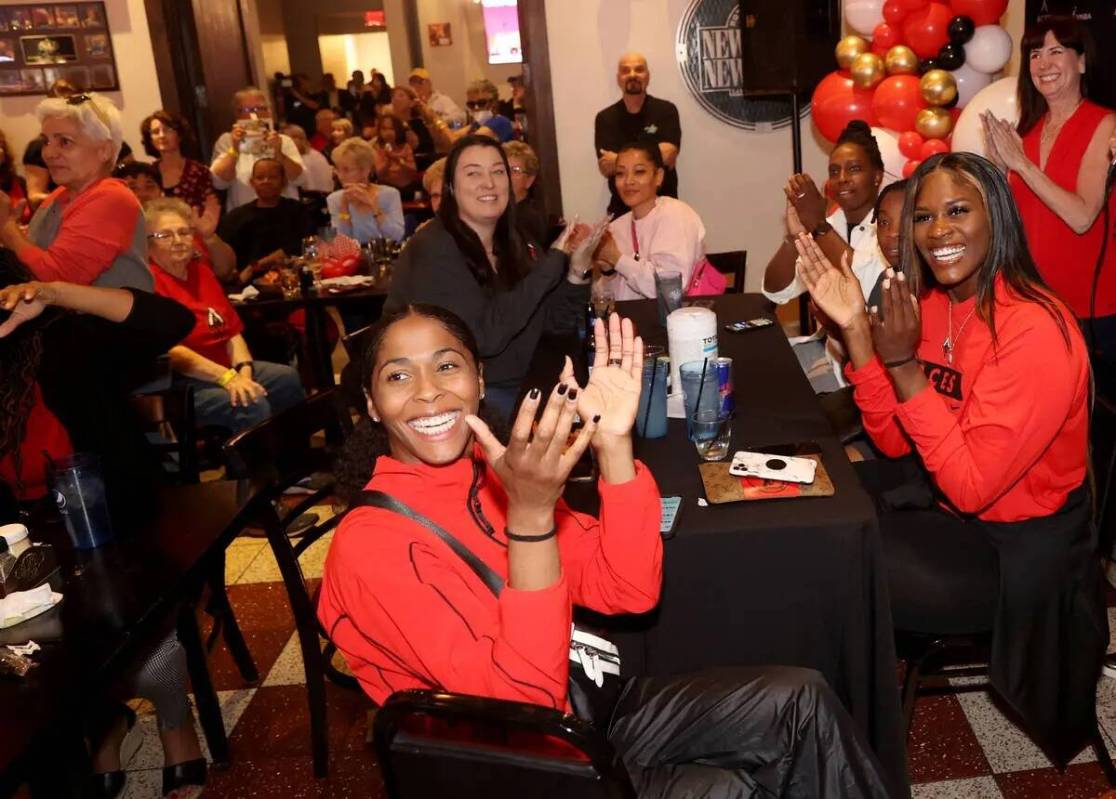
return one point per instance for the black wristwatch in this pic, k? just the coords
(250, 364)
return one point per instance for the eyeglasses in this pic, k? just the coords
(166, 235)
(474, 105)
(519, 170)
(79, 99)
(253, 109)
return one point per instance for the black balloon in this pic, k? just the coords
(927, 64)
(961, 30)
(951, 57)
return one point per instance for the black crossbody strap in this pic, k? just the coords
(378, 499)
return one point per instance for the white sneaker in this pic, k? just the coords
(1109, 667)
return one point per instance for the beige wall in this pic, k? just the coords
(453, 68)
(135, 63)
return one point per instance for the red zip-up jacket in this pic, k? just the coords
(1004, 429)
(409, 613)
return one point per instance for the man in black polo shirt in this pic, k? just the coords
(270, 222)
(637, 116)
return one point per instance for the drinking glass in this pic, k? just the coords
(668, 288)
(711, 433)
(692, 374)
(651, 418)
(79, 491)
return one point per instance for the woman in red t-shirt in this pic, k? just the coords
(978, 394)
(1057, 160)
(230, 389)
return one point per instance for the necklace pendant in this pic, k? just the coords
(947, 350)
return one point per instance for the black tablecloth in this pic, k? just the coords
(790, 582)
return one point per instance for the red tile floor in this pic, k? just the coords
(960, 747)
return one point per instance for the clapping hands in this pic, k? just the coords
(1004, 145)
(836, 291)
(612, 393)
(897, 331)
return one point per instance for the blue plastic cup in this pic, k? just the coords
(79, 491)
(690, 375)
(651, 419)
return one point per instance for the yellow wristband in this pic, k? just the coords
(224, 380)
(344, 217)
(232, 152)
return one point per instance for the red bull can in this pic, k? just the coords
(723, 367)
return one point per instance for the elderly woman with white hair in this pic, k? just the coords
(362, 209)
(253, 136)
(90, 229)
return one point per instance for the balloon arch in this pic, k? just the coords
(920, 73)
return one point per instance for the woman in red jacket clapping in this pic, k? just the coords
(407, 611)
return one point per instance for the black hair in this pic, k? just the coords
(859, 133)
(507, 243)
(1007, 255)
(648, 148)
(20, 355)
(1069, 33)
(369, 440)
(275, 161)
(134, 169)
(396, 125)
(177, 123)
(898, 185)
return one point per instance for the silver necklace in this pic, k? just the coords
(950, 342)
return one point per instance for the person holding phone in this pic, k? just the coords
(253, 136)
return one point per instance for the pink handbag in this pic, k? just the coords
(707, 280)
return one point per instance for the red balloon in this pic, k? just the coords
(837, 102)
(982, 12)
(927, 30)
(886, 36)
(910, 143)
(933, 147)
(879, 48)
(910, 167)
(913, 5)
(893, 12)
(897, 102)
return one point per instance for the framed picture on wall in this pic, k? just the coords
(440, 34)
(46, 42)
(48, 49)
(97, 45)
(92, 16)
(66, 17)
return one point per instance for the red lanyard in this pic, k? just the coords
(635, 241)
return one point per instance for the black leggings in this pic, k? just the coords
(942, 571)
(742, 732)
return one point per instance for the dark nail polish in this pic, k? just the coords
(562, 389)
(534, 394)
(573, 394)
(596, 418)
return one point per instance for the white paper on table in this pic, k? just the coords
(348, 280)
(250, 292)
(24, 605)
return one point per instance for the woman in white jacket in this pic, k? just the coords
(658, 234)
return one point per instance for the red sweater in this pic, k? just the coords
(1004, 430)
(408, 613)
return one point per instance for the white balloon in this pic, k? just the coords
(989, 49)
(969, 81)
(1000, 99)
(888, 142)
(864, 15)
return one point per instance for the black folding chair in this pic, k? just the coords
(272, 457)
(431, 743)
(732, 264)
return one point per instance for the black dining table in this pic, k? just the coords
(796, 582)
(117, 600)
(369, 299)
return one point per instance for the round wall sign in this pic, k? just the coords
(708, 48)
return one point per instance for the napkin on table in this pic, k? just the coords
(24, 605)
(248, 293)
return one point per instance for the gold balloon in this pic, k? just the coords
(934, 123)
(848, 49)
(938, 87)
(867, 70)
(901, 60)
